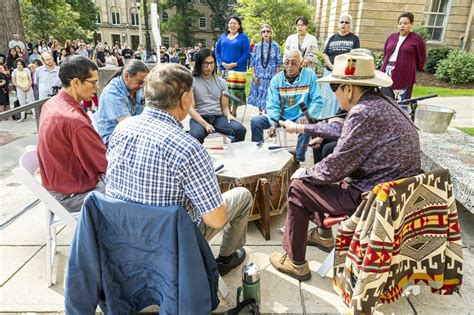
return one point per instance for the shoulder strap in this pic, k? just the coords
(253, 308)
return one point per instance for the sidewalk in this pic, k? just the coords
(463, 105)
(23, 265)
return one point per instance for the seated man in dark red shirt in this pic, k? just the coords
(70, 152)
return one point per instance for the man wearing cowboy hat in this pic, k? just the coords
(378, 143)
(287, 90)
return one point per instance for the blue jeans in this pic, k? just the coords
(234, 129)
(260, 123)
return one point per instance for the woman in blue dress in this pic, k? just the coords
(265, 62)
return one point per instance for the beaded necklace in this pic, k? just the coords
(262, 59)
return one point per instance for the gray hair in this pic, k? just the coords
(345, 15)
(266, 26)
(166, 84)
(135, 66)
(293, 51)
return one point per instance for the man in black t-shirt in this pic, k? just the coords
(127, 53)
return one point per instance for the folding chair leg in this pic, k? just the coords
(225, 140)
(285, 138)
(49, 253)
(327, 264)
(222, 288)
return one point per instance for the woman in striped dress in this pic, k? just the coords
(232, 53)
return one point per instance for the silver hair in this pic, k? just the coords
(266, 26)
(293, 51)
(135, 66)
(165, 85)
(345, 15)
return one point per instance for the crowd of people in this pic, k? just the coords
(141, 154)
(40, 61)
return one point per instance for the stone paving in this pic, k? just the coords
(23, 286)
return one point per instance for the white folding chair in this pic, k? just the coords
(281, 137)
(56, 214)
(93, 120)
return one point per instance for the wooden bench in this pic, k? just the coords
(453, 150)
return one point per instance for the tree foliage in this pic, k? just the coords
(221, 9)
(58, 18)
(183, 24)
(88, 11)
(279, 14)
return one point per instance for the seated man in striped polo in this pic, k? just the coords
(287, 90)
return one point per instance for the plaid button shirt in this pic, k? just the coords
(153, 161)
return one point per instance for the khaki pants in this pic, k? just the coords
(239, 203)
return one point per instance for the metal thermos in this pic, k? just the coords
(250, 283)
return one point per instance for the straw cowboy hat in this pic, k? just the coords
(356, 69)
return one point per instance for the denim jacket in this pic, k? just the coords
(127, 256)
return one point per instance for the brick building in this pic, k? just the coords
(449, 22)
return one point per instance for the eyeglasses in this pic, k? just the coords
(291, 62)
(344, 22)
(96, 82)
(208, 64)
(138, 81)
(266, 31)
(335, 86)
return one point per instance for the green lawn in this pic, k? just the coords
(468, 130)
(442, 92)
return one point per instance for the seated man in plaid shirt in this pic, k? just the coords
(153, 161)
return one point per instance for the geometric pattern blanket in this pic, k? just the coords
(405, 232)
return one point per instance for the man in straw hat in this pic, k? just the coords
(378, 143)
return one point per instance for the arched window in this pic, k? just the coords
(164, 16)
(115, 15)
(134, 18)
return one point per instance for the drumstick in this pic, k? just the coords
(219, 147)
(276, 147)
(260, 143)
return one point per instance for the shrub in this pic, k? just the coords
(422, 31)
(457, 68)
(435, 55)
(378, 59)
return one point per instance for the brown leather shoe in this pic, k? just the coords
(314, 239)
(283, 263)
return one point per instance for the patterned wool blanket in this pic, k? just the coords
(405, 232)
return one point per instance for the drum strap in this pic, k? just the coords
(282, 107)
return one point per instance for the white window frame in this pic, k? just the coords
(203, 19)
(164, 40)
(115, 16)
(134, 17)
(163, 18)
(428, 14)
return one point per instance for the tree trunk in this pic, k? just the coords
(10, 23)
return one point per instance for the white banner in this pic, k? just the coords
(155, 27)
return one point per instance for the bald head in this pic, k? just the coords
(47, 59)
(293, 54)
(293, 62)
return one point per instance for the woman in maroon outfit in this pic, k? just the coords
(404, 53)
